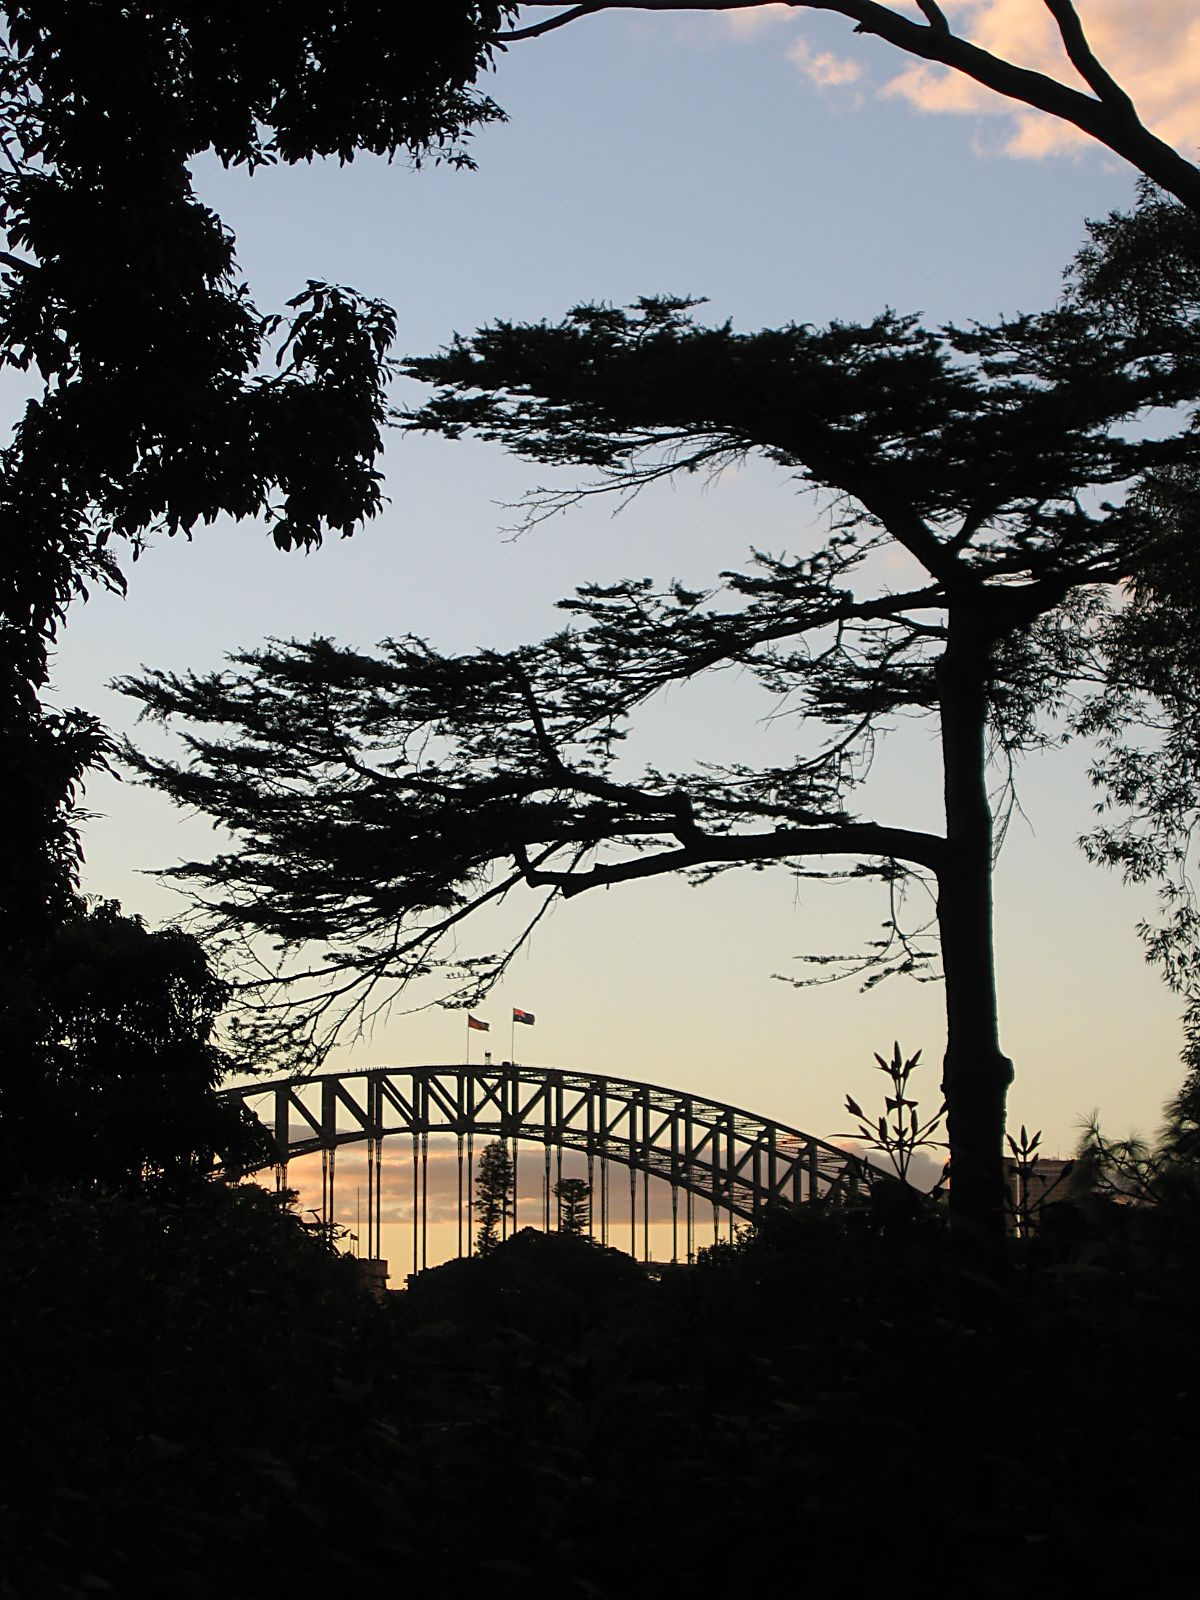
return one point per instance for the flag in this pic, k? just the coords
(523, 1016)
(474, 1022)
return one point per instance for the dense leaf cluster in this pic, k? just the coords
(129, 1061)
(1142, 274)
(120, 288)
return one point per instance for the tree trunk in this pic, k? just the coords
(976, 1072)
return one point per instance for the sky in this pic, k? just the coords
(789, 171)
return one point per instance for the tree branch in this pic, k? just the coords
(937, 17)
(537, 29)
(844, 839)
(684, 824)
(1110, 118)
(1085, 63)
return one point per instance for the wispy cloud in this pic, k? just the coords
(825, 69)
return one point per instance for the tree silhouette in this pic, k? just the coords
(381, 799)
(574, 1198)
(494, 1180)
(1142, 274)
(166, 398)
(1106, 114)
(130, 1063)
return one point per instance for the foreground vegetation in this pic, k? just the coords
(203, 1400)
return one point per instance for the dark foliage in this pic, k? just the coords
(164, 397)
(1142, 274)
(126, 1094)
(164, 1367)
(831, 1396)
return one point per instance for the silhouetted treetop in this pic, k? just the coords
(130, 1061)
(252, 83)
(120, 287)
(161, 396)
(969, 432)
(1141, 273)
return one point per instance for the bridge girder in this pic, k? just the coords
(716, 1152)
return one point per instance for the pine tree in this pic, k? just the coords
(493, 1194)
(574, 1206)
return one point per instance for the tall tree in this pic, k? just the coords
(574, 1198)
(380, 799)
(163, 397)
(1141, 275)
(494, 1180)
(1106, 113)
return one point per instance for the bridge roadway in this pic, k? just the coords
(724, 1157)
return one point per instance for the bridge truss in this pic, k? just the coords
(704, 1152)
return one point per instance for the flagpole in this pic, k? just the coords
(512, 1040)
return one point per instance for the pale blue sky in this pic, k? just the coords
(646, 155)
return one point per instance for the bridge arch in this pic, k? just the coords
(703, 1150)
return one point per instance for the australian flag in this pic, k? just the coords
(523, 1016)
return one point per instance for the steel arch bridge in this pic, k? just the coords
(703, 1150)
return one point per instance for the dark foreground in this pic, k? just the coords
(199, 1401)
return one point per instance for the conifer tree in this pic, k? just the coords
(574, 1206)
(494, 1180)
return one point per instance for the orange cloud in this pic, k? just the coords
(1151, 48)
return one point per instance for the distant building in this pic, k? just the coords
(374, 1274)
(1028, 1192)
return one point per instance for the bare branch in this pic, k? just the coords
(845, 839)
(937, 17)
(1109, 117)
(537, 29)
(1085, 63)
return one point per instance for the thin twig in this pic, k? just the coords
(537, 29)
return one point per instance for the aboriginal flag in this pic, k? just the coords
(523, 1016)
(474, 1022)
